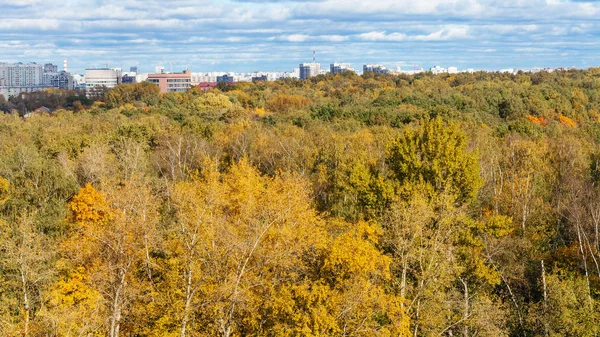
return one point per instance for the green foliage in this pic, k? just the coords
(144, 92)
(436, 153)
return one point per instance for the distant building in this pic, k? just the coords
(336, 68)
(98, 80)
(375, 68)
(17, 78)
(507, 71)
(59, 80)
(207, 85)
(128, 79)
(309, 70)
(225, 78)
(9, 92)
(78, 81)
(50, 68)
(42, 110)
(181, 82)
(262, 78)
(52, 78)
(438, 70)
(159, 70)
(452, 70)
(133, 70)
(21, 75)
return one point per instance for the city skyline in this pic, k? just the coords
(264, 35)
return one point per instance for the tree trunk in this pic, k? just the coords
(25, 303)
(416, 330)
(514, 300)
(584, 259)
(466, 309)
(546, 329)
(188, 300)
(115, 319)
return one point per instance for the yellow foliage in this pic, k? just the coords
(260, 111)
(287, 102)
(354, 254)
(75, 306)
(98, 104)
(211, 102)
(89, 206)
(4, 188)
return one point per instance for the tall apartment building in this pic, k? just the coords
(309, 70)
(17, 78)
(172, 82)
(336, 68)
(375, 68)
(225, 78)
(20, 75)
(261, 78)
(59, 80)
(99, 80)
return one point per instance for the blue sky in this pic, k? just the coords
(228, 35)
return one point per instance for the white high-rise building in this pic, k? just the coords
(17, 78)
(438, 70)
(21, 75)
(336, 68)
(309, 70)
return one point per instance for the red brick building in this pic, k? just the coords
(171, 82)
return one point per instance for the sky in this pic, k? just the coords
(272, 35)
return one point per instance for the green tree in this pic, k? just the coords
(436, 153)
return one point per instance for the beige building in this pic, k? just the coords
(170, 82)
(99, 80)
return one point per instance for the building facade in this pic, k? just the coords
(225, 78)
(21, 75)
(59, 80)
(261, 78)
(30, 77)
(129, 79)
(172, 82)
(309, 70)
(97, 81)
(375, 68)
(50, 68)
(336, 68)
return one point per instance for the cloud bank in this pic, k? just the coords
(206, 35)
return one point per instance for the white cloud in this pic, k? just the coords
(227, 31)
(454, 33)
(29, 24)
(293, 38)
(333, 38)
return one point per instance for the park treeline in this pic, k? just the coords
(374, 205)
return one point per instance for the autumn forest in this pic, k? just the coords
(375, 205)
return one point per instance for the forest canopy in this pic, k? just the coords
(343, 205)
